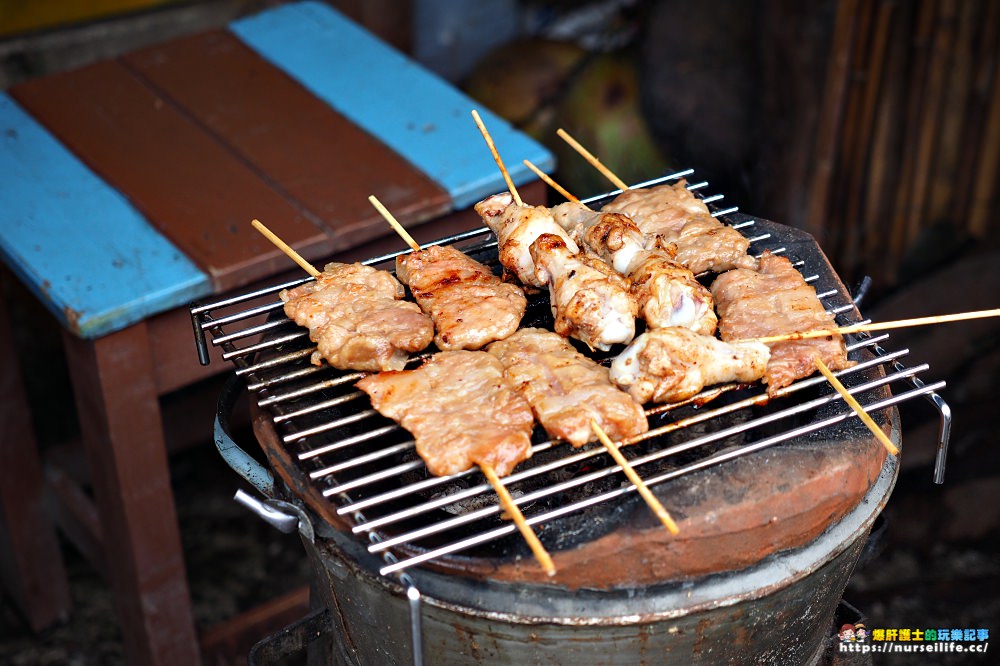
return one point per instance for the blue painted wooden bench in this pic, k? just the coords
(129, 186)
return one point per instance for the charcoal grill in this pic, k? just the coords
(774, 498)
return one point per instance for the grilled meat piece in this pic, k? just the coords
(673, 364)
(470, 306)
(358, 319)
(773, 301)
(460, 411)
(589, 300)
(667, 293)
(659, 211)
(671, 216)
(613, 237)
(705, 244)
(565, 388)
(516, 228)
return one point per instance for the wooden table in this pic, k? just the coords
(129, 185)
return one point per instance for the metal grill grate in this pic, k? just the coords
(366, 465)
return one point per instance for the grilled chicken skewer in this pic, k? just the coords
(566, 390)
(670, 215)
(516, 227)
(589, 300)
(667, 293)
(574, 400)
(673, 364)
(460, 411)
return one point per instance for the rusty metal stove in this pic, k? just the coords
(774, 499)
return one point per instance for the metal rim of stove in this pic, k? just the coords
(205, 322)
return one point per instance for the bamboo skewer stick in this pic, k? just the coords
(596, 163)
(396, 226)
(284, 247)
(635, 479)
(496, 158)
(856, 406)
(510, 507)
(506, 501)
(879, 326)
(547, 179)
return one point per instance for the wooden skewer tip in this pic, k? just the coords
(880, 326)
(592, 159)
(640, 485)
(548, 180)
(514, 512)
(858, 409)
(394, 223)
(496, 158)
(285, 247)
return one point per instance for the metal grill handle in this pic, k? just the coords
(242, 462)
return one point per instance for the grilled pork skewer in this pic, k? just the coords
(566, 390)
(470, 306)
(491, 450)
(358, 318)
(355, 313)
(460, 411)
(667, 293)
(772, 301)
(589, 300)
(670, 215)
(673, 364)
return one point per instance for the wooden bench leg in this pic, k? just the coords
(123, 435)
(31, 565)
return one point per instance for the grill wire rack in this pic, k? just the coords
(366, 467)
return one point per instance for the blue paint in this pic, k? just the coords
(76, 242)
(414, 112)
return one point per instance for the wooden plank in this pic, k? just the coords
(18, 17)
(883, 164)
(972, 149)
(933, 103)
(414, 112)
(76, 514)
(903, 211)
(984, 197)
(230, 641)
(31, 564)
(81, 248)
(306, 150)
(982, 193)
(841, 230)
(123, 436)
(860, 174)
(187, 184)
(829, 124)
(942, 196)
